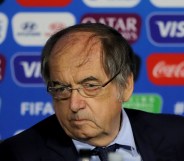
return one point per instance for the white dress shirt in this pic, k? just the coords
(124, 137)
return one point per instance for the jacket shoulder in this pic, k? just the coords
(166, 124)
(31, 140)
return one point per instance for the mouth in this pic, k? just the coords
(79, 121)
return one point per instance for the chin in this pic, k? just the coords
(82, 135)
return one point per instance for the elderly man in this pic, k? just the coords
(89, 70)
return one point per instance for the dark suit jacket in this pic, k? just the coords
(158, 138)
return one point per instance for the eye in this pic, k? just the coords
(57, 89)
(91, 86)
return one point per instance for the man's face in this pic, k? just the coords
(94, 120)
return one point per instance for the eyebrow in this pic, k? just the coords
(60, 83)
(91, 78)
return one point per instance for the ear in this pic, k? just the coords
(127, 92)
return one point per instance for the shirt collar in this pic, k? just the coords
(124, 137)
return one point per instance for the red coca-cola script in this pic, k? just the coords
(166, 68)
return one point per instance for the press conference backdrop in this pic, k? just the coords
(154, 28)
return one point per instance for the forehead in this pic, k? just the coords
(82, 39)
(77, 50)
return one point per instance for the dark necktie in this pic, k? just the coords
(102, 152)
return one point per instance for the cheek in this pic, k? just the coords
(113, 104)
(61, 111)
(106, 109)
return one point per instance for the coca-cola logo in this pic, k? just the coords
(162, 69)
(166, 69)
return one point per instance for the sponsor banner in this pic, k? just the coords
(168, 3)
(44, 3)
(166, 29)
(26, 69)
(128, 25)
(166, 69)
(38, 108)
(3, 27)
(148, 102)
(179, 108)
(2, 67)
(111, 3)
(33, 29)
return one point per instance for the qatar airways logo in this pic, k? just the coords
(166, 29)
(127, 24)
(166, 69)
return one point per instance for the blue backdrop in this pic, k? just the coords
(154, 28)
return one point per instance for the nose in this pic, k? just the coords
(77, 101)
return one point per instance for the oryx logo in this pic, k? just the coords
(166, 29)
(26, 70)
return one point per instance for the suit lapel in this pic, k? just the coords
(150, 140)
(140, 135)
(65, 148)
(144, 147)
(59, 146)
